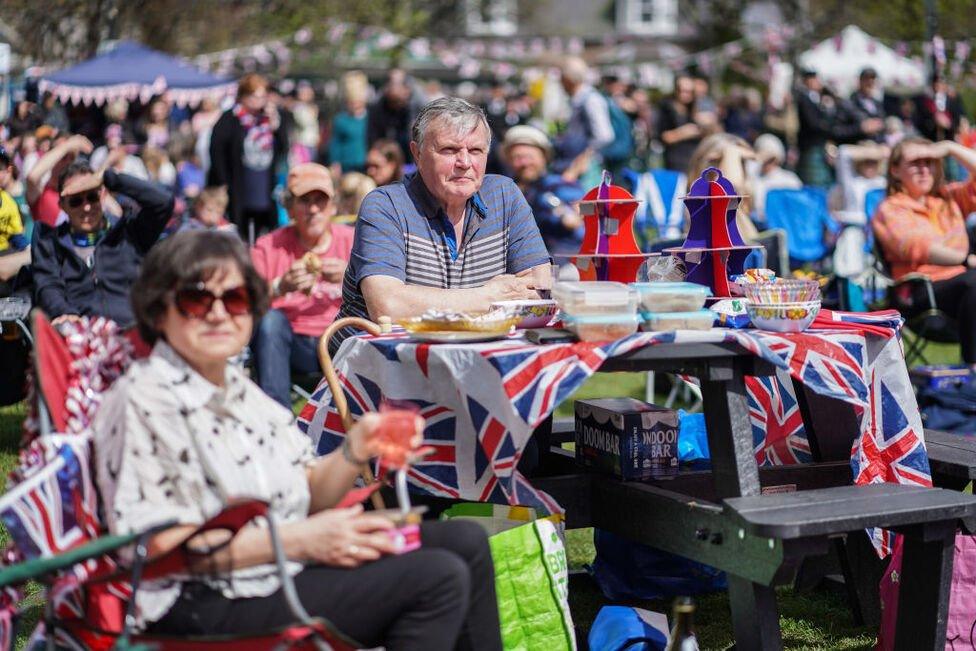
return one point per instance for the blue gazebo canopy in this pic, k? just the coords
(132, 71)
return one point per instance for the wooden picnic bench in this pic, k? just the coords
(952, 458)
(721, 518)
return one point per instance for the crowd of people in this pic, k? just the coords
(229, 167)
(275, 221)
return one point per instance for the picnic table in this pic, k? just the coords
(482, 402)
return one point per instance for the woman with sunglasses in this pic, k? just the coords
(86, 265)
(921, 229)
(183, 431)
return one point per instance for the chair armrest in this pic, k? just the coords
(40, 567)
(232, 519)
(914, 278)
(902, 291)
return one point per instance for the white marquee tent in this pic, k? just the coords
(839, 60)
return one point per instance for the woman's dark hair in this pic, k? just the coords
(185, 259)
(392, 152)
(77, 168)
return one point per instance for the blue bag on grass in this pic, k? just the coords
(621, 628)
(627, 570)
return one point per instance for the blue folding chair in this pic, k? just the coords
(660, 213)
(872, 200)
(804, 215)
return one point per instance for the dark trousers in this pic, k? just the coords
(956, 297)
(255, 223)
(278, 351)
(440, 597)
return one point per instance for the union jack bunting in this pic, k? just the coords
(482, 401)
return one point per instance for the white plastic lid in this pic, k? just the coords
(664, 287)
(702, 313)
(594, 293)
(600, 319)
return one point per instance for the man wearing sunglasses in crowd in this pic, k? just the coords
(86, 265)
(303, 263)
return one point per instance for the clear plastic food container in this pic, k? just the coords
(666, 321)
(601, 327)
(594, 297)
(671, 297)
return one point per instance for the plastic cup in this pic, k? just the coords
(395, 430)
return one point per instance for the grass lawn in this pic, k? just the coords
(817, 620)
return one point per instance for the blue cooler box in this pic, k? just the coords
(940, 376)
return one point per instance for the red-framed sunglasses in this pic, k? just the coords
(196, 301)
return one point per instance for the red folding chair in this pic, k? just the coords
(98, 612)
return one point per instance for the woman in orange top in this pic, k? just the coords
(921, 228)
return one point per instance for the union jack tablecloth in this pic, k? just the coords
(482, 401)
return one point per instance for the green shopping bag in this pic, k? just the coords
(531, 575)
(532, 584)
(496, 518)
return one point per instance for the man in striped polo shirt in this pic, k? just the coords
(448, 237)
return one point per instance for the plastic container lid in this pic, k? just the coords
(579, 297)
(686, 315)
(697, 320)
(661, 287)
(599, 319)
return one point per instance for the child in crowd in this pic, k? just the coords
(209, 210)
(206, 213)
(161, 169)
(190, 178)
(353, 188)
(12, 236)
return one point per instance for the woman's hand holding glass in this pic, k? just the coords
(395, 436)
(345, 537)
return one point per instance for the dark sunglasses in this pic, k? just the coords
(196, 301)
(76, 200)
(311, 198)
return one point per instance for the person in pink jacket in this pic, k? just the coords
(303, 263)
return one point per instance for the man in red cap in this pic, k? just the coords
(303, 263)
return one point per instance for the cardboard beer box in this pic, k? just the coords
(627, 438)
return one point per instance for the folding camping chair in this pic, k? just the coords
(925, 322)
(98, 612)
(803, 214)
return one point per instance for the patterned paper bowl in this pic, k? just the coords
(782, 291)
(783, 317)
(531, 314)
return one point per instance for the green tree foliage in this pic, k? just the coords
(61, 31)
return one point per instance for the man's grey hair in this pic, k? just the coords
(461, 116)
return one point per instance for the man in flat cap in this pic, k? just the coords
(551, 197)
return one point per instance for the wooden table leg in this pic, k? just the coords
(755, 617)
(730, 445)
(923, 598)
